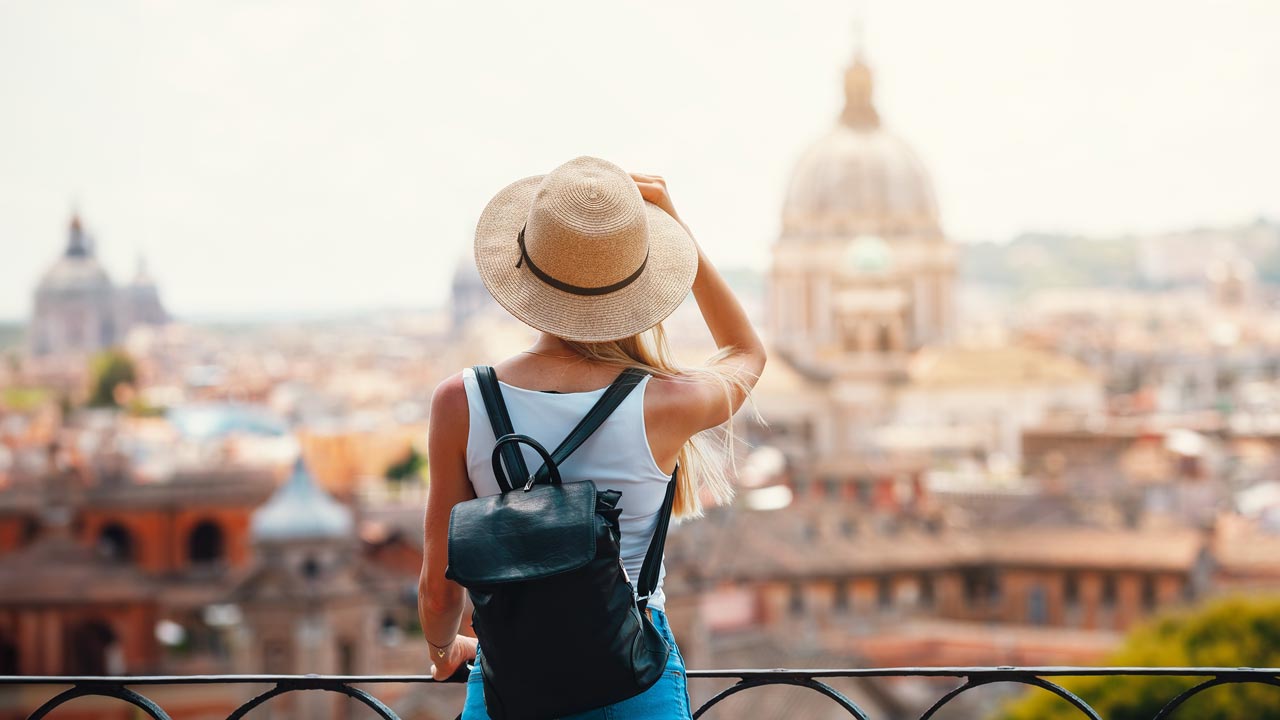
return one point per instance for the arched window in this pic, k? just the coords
(115, 543)
(205, 544)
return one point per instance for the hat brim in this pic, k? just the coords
(655, 294)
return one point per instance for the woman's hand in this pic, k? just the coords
(654, 189)
(463, 650)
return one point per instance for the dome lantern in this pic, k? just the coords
(859, 178)
(859, 110)
(77, 246)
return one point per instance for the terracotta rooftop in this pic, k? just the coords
(802, 541)
(994, 366)
(56, 569)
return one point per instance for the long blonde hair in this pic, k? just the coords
(704, 463)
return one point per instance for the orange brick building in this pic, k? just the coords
(85, 569)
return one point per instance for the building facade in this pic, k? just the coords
(78, 309)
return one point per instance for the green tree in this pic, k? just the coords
(407, 469)
(109, 370)
(1235, 632)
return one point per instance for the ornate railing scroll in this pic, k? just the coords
(130, 689)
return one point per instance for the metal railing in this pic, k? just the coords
(968, 678)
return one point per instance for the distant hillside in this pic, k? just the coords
(1039, 260)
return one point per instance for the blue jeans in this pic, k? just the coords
(667, 699)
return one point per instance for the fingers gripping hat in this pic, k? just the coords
(578, 253)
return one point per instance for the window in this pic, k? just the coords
(8, 657)
(972, 587)
(831, 488)
(926, 590)
(90, 646)
(1037, 606)
(884, 592)
(30, 529)
(1109, 591)
(796, 603)
(205, 543)
(981, 586)
(864, 493)
(346, 657)
(115, 543)
(840, 599)
(1071, 589)
(1149, 598)
(884, 339)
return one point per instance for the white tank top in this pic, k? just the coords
(615, 457)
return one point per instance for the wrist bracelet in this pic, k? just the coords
(440, 650)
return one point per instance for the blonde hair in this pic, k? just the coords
(704, 464)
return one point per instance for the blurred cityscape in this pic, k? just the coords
(970, 454)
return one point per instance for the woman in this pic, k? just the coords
(595, 259)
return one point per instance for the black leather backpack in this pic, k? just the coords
(562, 630)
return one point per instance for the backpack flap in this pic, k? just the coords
(522, 535)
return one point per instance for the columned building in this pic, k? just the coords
(862, 272)
(862, 277)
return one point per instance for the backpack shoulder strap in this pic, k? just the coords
(648, 580)
(496, 408)
(613, 396)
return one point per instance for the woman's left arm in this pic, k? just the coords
(440, 601)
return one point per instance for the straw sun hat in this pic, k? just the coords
(579, 254)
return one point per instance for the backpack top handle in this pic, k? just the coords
(500, 422)
(516, 439)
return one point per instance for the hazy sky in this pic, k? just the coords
(317, 156)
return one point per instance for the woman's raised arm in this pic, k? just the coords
(742, 353)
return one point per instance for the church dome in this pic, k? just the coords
(859, 177)
(77, 271)
(301, 510)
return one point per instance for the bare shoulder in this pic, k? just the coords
(449, 409)
(685, 404)
(450, 394)
(680, 393)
